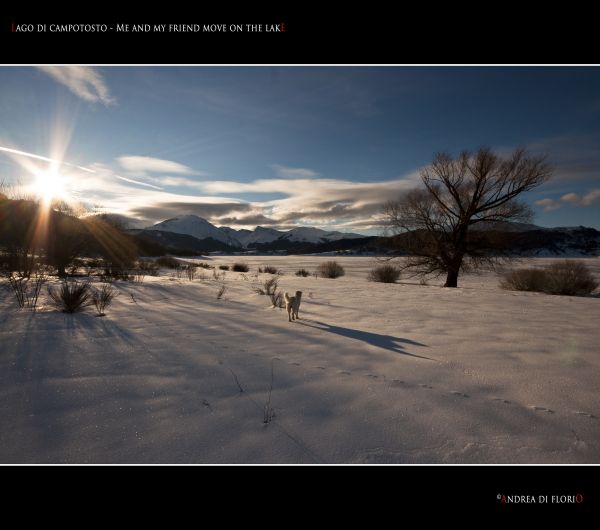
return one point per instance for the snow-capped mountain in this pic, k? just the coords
(260, 235)
(232, 235)
(201, 229)
(315, 235)
(197, 227)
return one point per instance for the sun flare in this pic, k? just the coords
(49, 185)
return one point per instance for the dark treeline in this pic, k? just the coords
(32, 234)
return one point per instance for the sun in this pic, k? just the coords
(49, 185)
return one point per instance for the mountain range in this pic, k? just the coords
(200, 228)
(193, 234)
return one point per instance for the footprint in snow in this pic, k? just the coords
(500, 399)
(344, 372)
(373, 376)
(457, 393)
(295, 364)
(587, 414)
(320, 367)
(544, 409)
(397, 382)
(423, 385)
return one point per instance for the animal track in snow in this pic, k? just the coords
(500, 399)
(295, 364)
(587, 414)
(423, 385)
(320, 367)
(373, 376)
(344, 372)
(457, 393)
(544, 409)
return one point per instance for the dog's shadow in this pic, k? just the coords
(387, 342)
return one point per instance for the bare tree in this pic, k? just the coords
(432, 224)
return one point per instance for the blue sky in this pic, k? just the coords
(289, 146)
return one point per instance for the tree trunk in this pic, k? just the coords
(452, 278)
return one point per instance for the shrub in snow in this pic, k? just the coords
(27, 290)
(269, 287)
(147, 267)
(224, 267)
(218, 275)
(112, 274)
(571, 278)
(103, 297)
(269, 411)
(221, 291)
(302, 272)
(384, 274)
(330, 269)
(277, 299)
(71, 296)
(189, 271)
(240, 267)
(525, 280)
(268, 269)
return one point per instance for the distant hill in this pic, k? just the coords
(172, 243)
(562, 241)
(539, 242)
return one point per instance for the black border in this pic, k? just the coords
(398, 34)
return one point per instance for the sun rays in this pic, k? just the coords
(50, 179)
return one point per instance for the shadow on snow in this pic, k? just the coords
(387, 342)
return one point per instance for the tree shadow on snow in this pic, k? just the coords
(387, 342)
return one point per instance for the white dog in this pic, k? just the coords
(292, 304)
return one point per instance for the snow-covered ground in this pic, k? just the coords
(372, 373)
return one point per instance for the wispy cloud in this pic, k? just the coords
(139, 182)
(349, 205)
(294, 172)
(143, 191)
(591, 197)
(303, 203)
(588, 199)
(84, 81)
(549, 204)
(208, 210)
(570, 197)
(148, 164)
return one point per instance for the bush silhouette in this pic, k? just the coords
(330, 269)
(384, 274)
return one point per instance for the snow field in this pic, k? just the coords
(372, 373)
